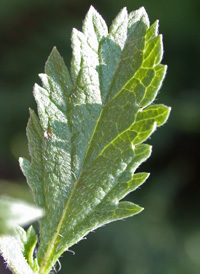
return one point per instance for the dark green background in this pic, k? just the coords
(165, 238)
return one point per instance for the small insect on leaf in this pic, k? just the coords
(81, 186)
(48, 133)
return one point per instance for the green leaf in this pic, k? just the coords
(15, 212)
(30, 241)
(87, 143)
(13, 248)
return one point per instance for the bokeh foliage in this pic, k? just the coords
(168, 235)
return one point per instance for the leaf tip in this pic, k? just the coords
(169, 111)
(53, 58)
(141, 209)
(123, 11)
(91, 9)
(138, 209)
(24, 165)
(165, 68)
(147, 175)
(31, 111)
(144, 15)
(155, 25)
(166, 114)
(91, 12)
(53, 52)
(20, 160)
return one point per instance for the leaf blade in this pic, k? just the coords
(91, 127)
(17, 251)
(14, 212)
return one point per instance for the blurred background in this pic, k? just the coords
(165, 237)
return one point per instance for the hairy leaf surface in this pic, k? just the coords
(17, 250)
(14, 212)
(87, 142)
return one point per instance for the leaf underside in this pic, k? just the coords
(87, 142)
(14, 212)
(17, 251)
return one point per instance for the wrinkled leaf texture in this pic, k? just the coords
(87, 142)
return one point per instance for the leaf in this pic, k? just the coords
(30, 241)
(87, 143)
(13, 249)
(15, 212)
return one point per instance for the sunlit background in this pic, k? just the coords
(165, 238)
